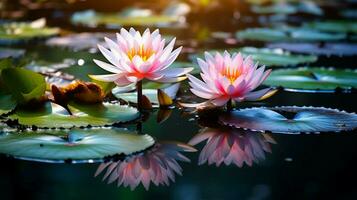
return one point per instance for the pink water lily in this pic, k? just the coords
(232, 146)
(158, 165)
(228, 77)
(134, 57)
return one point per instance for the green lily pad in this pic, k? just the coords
(287, 34)
(152, 94)
(266, 56)
(85, 145)
(313, 79)
(289, 8)
(334, 26)
(23, 84)
(92, 18)
(15, 32)
(7, 103)
(54, 116)
(9, 52)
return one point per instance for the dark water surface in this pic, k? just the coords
(305, 166)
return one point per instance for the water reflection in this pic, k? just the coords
(158, 165)
(232, 146)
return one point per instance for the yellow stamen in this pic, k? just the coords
(142, 52)
(232, 75)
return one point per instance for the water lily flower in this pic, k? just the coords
(134, 57)
(158, 165)
(228, 77)
(232, 146)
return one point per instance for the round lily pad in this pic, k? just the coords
(267, 56)
(92, 19)
(17, 32)
(14, 53)
(54, 116)
(336, 49)
(289, 8)
(85, 145)
(288, 34)
(291, 119)
(7, 103)
(312, 79)
(334, 26)
(80, 41)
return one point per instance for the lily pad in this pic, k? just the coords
(85, 145)
(54, 116)
(267, 56)
(16, 32)
(307, 7)
(7, 103)
(152, 94)
(334, 26)
(80, 41)
(23, 84)
(291, 119)
(92, 18)
(328, 49)
(14, 53)
(313, 79)
(287, 34)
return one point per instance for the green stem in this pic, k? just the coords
(139, 88)
(229, 105)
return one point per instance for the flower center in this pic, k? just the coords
(231, 74)
(142, 52)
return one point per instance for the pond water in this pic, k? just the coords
(272, 166)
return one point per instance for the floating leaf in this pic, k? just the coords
(333, 26)
(291, 119)
(338, 49)
(287, 34)
(92, 18)
(232, 146)
(53, 115)
(151, 94)
(14, 53)
(23, 84)
(7, 103)
(313, 79)
(289, 8)
(85, 145)
(267, 56)
(16, 32)
(81, 41)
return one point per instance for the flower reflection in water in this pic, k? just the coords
(226, 145)
(158, 165)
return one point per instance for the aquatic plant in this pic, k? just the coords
(136, 56)
(228, 77)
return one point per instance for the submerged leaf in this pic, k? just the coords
(313, 79)
(84, 145)
(291, 119)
